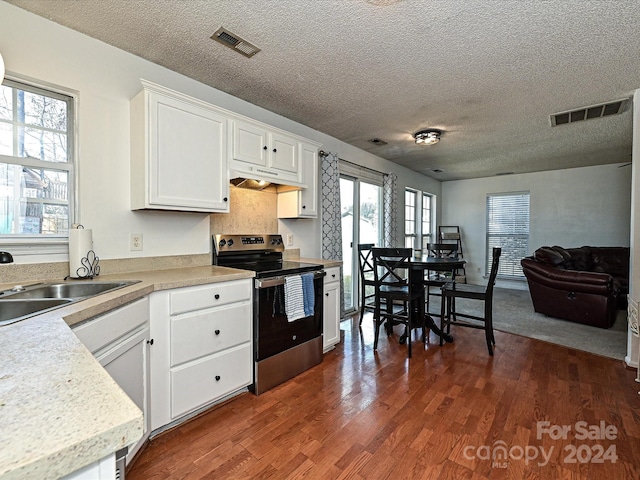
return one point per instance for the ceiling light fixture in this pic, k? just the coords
(428, 137)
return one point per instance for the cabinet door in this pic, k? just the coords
(250, 143)
(309, 196)
(128, 364)
(284, 153)
(187, 144)
(302, 203)
(331, 333)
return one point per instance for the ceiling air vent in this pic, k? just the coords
(233, 41)
(378, 142)
(587, 113)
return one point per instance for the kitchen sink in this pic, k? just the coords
(14, 310)
(65, 290)
(20, 302)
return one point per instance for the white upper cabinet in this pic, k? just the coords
(178, 152)
(261, 152)
(302, 203)
(284, 153)
(250, 143)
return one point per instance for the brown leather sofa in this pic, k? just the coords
(585, 285)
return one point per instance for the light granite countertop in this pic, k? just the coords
(324, 263)
(59, 409)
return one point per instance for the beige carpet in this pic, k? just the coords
(513, 313)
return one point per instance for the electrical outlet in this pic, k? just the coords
(289, 239)
(135, 242)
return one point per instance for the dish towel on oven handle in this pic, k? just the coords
(293, 298)
(308, 295)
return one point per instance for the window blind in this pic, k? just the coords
(508, 227)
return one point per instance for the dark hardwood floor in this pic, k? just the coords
(449, 412)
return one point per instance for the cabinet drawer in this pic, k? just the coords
(101, 331)
(207, 296)
(333, 275)
(208, 379)
(198, 334)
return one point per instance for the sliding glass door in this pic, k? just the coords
(360, 200)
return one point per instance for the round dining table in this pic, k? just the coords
(421, 263)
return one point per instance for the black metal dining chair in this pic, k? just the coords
(367, 280)
(394, 298)
(448, 309)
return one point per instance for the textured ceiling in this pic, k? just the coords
(487, 72)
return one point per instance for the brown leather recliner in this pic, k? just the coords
(585, 285)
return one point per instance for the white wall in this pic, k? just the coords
(570, 208)
(105, 79)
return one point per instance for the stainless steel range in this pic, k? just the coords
(281, 348)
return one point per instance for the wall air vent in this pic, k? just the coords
(233, 41)
(586, 113)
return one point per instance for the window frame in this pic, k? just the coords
(510, 257)
(428, 236)
(418, 239)
(47, 244)
(410, 237)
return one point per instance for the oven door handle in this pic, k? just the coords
(279, 280)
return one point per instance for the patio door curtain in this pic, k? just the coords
(390, 212)
(331, 215)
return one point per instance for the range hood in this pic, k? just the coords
(259, 178)
(251, 184)
(262, 185)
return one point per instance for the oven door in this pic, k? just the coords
(273, 332)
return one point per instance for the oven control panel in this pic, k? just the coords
(247, 243)
(253, 240)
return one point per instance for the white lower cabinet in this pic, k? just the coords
(119, 340)
(103, 469)
(201, 350)
(206, 379)
(331, 320)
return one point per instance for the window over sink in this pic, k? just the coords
(37, 171)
